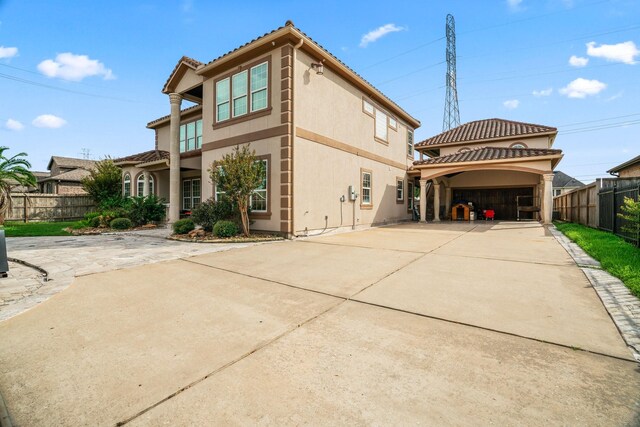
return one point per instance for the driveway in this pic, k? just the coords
(445, 324)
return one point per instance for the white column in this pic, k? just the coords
(423, 200)
(174, 157)
(436, 201)
(145, 189)
(547, 205)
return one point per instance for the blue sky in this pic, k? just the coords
(88, 75)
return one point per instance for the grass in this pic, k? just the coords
(616, 256)
(35, 229)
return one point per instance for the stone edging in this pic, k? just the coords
(620, 303)
(194, 240)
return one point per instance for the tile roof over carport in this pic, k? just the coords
(488, 153)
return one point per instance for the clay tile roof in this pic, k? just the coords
(147, 156)
(193, 63)
(290, 24)
(70, 162)
(488, 153)
(168, 116)
(486, 129)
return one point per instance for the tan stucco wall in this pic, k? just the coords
(630, 172)
(270, 146)
(163, 130)
(188, 81)
(323, 174)
(161, 181)
(330, 106)
(532, 142)
(496, 179)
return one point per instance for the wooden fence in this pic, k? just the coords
(579, 205)
(48, 207)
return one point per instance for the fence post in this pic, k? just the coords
(24, 208)
(613, 207)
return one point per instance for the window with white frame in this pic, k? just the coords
(191, 136)
(409, 142)
(190, 193)
(258, 199)
(557, 192)
(399, 190)
(242, 93)
(365, 188)
(140, 185)
(126, 188)
(367, 107)
(393, 123)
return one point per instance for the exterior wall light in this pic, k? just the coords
(319, 67)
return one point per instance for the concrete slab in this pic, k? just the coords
(519, 241)
(362, 365)
(546, 302)
(336, 270)
(403, 237)
(114, 343)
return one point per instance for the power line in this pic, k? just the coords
(410, 73)
(600, 127)
(600, 120)
(406, 52)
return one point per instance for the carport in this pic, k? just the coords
(488, 165)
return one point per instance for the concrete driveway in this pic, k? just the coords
(446, 324)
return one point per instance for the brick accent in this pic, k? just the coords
(286, 142)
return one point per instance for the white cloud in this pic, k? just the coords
(543, 92)
(72, 67)
(511, 104)
(621, 52)
(49, 121)
(514, 5)
(379, 32)
(12, 124)
(581, 88)
(8, 52)
(578, 61)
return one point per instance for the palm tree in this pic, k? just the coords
(13, 171)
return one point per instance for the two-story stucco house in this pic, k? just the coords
(320, 128)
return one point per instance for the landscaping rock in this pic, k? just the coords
(149, 226)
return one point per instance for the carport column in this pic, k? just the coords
(547, 201)
(145, 190)
(174, 158)
(436, 201)
(423, 200)
(447, 201)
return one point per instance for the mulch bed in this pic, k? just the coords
(208, 237)
(93, 231)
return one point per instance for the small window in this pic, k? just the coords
(239, 89)
(410, 143)
(557, 192)
(518, 145)
(258, 198)
(222, 100)
(365, 188)
(393, 123)
(400, 190)
(126, 191)
(259, 81)
(367, 107)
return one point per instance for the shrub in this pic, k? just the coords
(104, 182)
(142, 210)
(121, 223)
(225, 229)
(95, 222)
(183, 226)
(210, 211)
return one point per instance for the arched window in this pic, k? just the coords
(518, 145)
(140, 185)
(126, 190)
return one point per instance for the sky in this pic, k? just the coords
(84, 78)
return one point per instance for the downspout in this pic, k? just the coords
(293, 131)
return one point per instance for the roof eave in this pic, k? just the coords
(624, 165)
(552, 157)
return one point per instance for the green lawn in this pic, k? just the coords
(30, 229)
(618, 257)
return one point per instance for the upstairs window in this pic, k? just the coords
(382, 125)
(191, 136)
(382, 122)
(409, 143)
(242, 93)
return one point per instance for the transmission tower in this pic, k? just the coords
(451, 112)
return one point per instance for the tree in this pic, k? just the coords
(104, 184)
(238, 174)
(13, 171)
(631, 214)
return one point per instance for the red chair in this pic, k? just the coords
(489, 214)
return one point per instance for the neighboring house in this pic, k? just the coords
(319, 128)
(495, 164)
(628, 169)
(563, 183)
(40, 176)
(65, 175)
